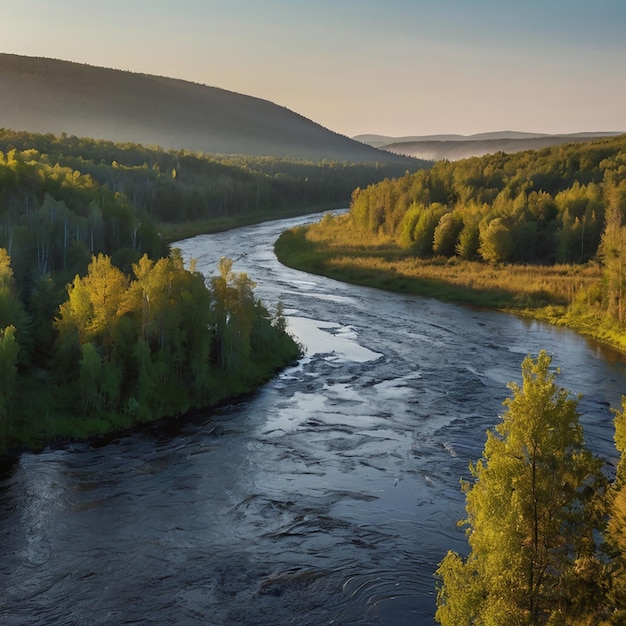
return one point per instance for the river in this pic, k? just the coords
(330, 495)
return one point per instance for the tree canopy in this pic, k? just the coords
(134, 347)
(548, 205)
(86, 214)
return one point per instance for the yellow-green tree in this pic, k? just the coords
(531, 517)
(612, 252)
(234, 306)
(616, 529)
(447, 233)
(496, 243)
(95, 304)
(151, 294)
(12, 325)
(89, 323)
(11, 307)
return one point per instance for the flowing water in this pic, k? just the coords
(328, 497)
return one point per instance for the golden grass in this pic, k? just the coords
(352, 251)
(563, 295)
(557, 284)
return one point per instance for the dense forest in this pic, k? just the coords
(178, 186)
(96, 312)
(543, 206)
(539, 232)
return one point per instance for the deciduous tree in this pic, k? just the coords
(531, 517)
(9, 350)
(496, 243)
(616, 528)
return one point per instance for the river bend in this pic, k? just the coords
(328, 497)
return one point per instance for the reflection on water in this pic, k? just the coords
(328, 497)
(319, 337)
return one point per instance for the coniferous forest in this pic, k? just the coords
(101, 325)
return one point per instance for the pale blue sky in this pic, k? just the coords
(394, 67)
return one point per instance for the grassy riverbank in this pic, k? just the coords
(563, 295)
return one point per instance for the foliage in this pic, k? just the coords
(496, 243)
(180, 186)
(565, 205)
(532, 513)
(534, 186)
(616, 528)
(86, 213)
(133, 348)
(333, 248)
(9, 350)
(551, 201)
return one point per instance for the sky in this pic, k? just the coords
(390, 67)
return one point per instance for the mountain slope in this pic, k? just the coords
(46, 95)
(455, 147)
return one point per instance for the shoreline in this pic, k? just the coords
(295, 250)
(163, 423)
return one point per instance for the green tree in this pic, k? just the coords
(424, 231)
(532, 514)
(612, 252)
(446, 234)
(234, 309)
(469, 240)
(11, 308)
(89, 379)
(616, 528)
(95, 303)
(9, 350)
(406, 228)
(496, 243)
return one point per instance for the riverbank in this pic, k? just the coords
(58, 431)
(561, 295)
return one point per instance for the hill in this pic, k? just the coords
(456, 147)
(51, 96)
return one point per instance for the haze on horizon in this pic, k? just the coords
(403, 67)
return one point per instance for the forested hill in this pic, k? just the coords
(535, 206)
(455, 147)
(52, 96)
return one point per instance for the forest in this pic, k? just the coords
(538, 232)
(96, 311)
(177, 186)
(532, 207)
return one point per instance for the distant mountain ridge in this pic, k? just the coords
(52, 96)
(454, 147)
